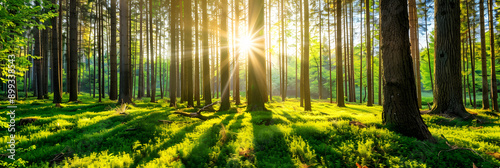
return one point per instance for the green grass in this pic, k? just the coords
(92, 134)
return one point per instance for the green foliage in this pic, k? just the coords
(16, 17)
(90, 134)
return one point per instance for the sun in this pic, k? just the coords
(245, 44)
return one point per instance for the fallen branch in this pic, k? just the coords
(454, 147)
(207, 107)
(198, 113)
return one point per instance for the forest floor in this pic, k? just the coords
(92, 134)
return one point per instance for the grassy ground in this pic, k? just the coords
(91, 134)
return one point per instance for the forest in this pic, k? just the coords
(249, 83)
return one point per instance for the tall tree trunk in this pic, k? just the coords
(151, 50)
(148, 79)
(173, 56)
(473, 59)
(329, 55)
(361, 53)
(73, 80)
(369, 72)
(197, 58)
(140, 91)
(448, 92)
(413, 18)
(236, 75)
(56, 72)
(484, 70)
(320, 83)
(400, 108)
(338, 55)
(113, 81)
(256, 65)
(305, 61)
(494, 94)
(224, 60)
(124, 55)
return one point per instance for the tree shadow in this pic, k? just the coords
(270, 146)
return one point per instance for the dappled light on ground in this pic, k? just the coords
(102, 135)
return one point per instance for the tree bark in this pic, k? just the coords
(204, 48)
(494, 94)
(256, 65)
(113, 81)
(124, 56)
(338, 53)
(73, 80)
(400, 106)
(369, 72)
(305, 61)
(236, 75)
(151, 50)
(224, 60)
(173, 56)
(56, 72)
(484, 69)
(448, 91)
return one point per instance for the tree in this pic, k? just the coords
(113, 81)
(56, 62)
(256, 65)
(448, 86)
(484, 70)
(400, 108)
(73, 66)
(224, 60)
(124, 56)
(338, 53)
(369, 72)
(151, 50)
(236, 94)
(140, 92)
(173, 59)
(413, 18)
(494, 95)
(204, 49)
(188, 52)
(305, 61)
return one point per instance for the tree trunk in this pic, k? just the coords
(448, 92)
(236, 75)
(73, 80)
(204, 48)
(113, 81)
(338, 53)
(494, 94)
(56, 76)
(413, 18)
(151, 50)
(224, 60)
(140, 91)
(473, 59)
(197, 58)
(369, 72)
(484, 70)
(124, 56)
(400, 107)
(305, 60)
(173, 56)
(256, 65)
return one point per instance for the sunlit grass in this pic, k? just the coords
(92, 134)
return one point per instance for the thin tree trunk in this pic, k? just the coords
(494, 94)
(484, 71)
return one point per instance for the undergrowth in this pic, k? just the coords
(92, 134)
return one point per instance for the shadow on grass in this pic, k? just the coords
(271, 149)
